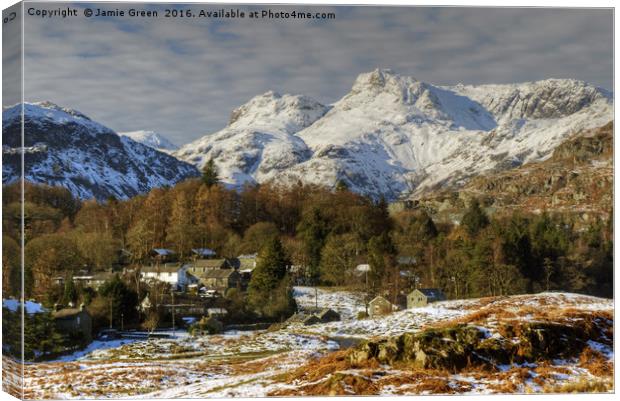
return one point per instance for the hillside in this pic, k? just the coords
(63, 147)
(576, 179)
(551, 342)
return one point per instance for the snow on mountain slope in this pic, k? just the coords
(393, 135)
(152, 140)
(64, 147)
(259, 140)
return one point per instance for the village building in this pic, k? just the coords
(310, 320)
(162, 255)
(314, 316)
(220, 280)
(92, 280)
(74, 321)
(123, 257)
(203, 253)
(328, 315)
(199, 267)
(172, 273)
(183, 305)
(217, 312)
(423, 296)
(245, 264)
(379, 306)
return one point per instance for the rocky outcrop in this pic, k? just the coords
(457, 347)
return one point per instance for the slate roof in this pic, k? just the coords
(218, 273)
(67, 313)
(243, 262)
(210, 263)
(166, 268)
(431, 292)
(163, 251)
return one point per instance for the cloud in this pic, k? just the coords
(183, 77)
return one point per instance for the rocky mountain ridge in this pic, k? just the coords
(64, 147)
(393, 135)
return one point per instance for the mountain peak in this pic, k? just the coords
(151, 139)
(46, 112)
(382, 80)
(286, 112)
(65, 148)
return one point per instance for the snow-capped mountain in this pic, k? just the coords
(259, 141)
(64, 147)
(393, 135)
(152, 140)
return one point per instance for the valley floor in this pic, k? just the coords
(307, 360)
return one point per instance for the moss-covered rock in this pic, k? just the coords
(456, 347)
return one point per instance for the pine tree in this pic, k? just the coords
(122, 299)
(210, 174)
(313, 230)
(381, 252)
(269, 274)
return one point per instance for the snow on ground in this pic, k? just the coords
(251, 364)
(347, 303)
(93, 349)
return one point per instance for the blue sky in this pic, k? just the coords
(183, 78)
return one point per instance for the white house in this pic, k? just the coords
(172, 273)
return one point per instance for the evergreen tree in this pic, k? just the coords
(269, 275)
(122, 299)
(381, 258)
(313, 230)
(210, 174)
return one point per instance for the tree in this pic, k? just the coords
(339, 255)
(210, 174)
(548, 269)
(257, 235)
(47, 257)
(474, 219)
(70, 294)
(269, 276)
(11, 267)
(182, 232)
(313, 229)
(122, 299)
(381, 253)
